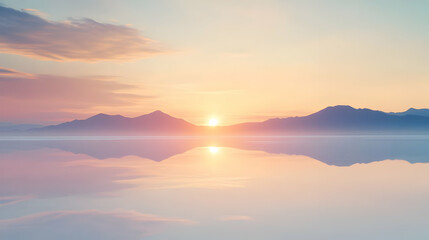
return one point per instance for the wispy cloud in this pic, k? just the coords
(37, 97)
(88, 224)
(13, 73)
(236, 218)
(9, 200)
(29, 33)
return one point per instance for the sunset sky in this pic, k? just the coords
(234, 61)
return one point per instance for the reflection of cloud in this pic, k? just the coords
(35, 97)
(52, 176)
(12, 200)
(160, 182)
(89, 224)
(27, 33)
(236, 218)
(166, 174)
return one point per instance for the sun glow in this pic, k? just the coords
(214, 149)
(213, 122)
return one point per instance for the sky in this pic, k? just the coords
(235, 61)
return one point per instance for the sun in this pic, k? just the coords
(213, 122)
(213, 149)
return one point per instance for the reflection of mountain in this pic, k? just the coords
(339, 151)
(153, 149)
(345, 151)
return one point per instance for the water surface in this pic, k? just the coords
(361, 187)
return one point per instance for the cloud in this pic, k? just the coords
(13, 73)
(9, 200)
(89, 224)
(236, 218)
(27, 33)
(36, 12)
(53, 98)
(5, 71)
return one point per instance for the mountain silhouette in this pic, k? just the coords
(338, 120)
(335, 120)
(11, 127)
(157, 123)
(413, 111)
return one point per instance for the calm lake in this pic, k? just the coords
(230, 188)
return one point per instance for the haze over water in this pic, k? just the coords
(361, 187)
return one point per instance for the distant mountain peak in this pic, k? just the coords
(413, 111)
(104, 116)
(418, 109)
(157, 115)
(100, 115)
(338, 108)
(335, 109)
(158, 112)
(341, 107)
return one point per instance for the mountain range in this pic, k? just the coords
(339, 119)
(155, 123)
(11, 127)
(413, 111)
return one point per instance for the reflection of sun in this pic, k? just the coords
(213, 149)
(213, 122)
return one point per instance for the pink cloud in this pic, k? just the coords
(13, 73)
(49, 98)
(27, 33)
